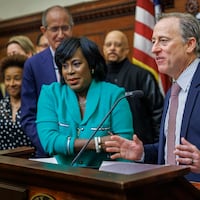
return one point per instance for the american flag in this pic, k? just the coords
(146, 14)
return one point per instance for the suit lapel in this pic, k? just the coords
(72, 104)
(192, 95)
(162, 138)
(93, 97)
(91, 104)
(190, 102)
(47, 61)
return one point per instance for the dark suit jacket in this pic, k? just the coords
(38, 70)
(190, 128)
(146, 111)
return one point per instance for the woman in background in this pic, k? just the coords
(69, 112)
(20, 44)
(11, 134)
(41, 42)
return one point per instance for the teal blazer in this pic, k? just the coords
(59, 117)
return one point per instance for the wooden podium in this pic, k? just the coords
(23, 179)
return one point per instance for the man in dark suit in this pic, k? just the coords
(175, 46)
(146, 111)
(41, 69)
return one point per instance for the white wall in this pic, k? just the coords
(17, 8)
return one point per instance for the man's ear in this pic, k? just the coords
(43, 29)
(191, 44)
(127, 50)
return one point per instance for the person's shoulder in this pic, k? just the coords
(39, 56)
(5, 101)
(111, 86)
(53, 85)
(133, 69)
(2, 101)
(111, 92)
(139, 69)
(51, 92)
(141, 72)
(54, 90)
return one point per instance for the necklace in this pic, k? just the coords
(82, 103)
(16, 106)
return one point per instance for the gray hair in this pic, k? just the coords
(189, 26)
(45, 13)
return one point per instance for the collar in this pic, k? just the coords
(53, 55)
(115, 67)
(185, 79)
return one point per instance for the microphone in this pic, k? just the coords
(133, 94)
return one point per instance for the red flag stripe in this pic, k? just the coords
(144, 30)
(142, 56)
(144, 17)
(143, 44)
(147, 5)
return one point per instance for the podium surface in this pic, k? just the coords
(34, 180)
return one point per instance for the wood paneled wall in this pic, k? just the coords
(92, 19)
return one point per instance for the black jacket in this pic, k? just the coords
(146, 111)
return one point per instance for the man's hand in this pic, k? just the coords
(124, 148)
(188, 154)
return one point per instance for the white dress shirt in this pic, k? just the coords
(184, 81)
(55, 66)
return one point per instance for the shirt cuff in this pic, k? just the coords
(142, 158)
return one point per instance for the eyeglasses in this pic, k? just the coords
(55, 29)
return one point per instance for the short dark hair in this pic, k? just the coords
(90, 50)
(17, 60)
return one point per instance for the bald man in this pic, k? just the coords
(146, 111)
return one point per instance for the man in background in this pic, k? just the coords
(146, 111)
(41, 42)
(57, 24)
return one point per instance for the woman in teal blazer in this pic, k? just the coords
(69, 112)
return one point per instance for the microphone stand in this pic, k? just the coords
(134, 93)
